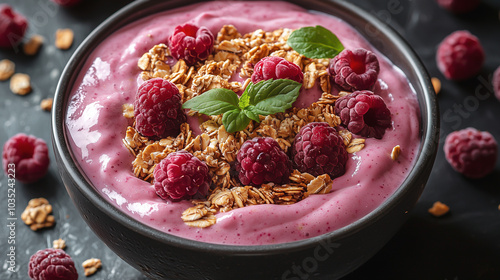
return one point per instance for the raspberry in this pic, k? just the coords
(354, 69)
(261, 160)
(180, 176)
(52, 264)
(496, 83)
(460, 56)
(471, 152)
(12, 26)
(459, 6)
(28, 155)
(318, 149)
(364, 113)
(66, 3)
(273, 67)
(191, 43)
(157, 109)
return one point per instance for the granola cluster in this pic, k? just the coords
(214, 145)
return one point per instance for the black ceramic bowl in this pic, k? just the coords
(328, 256)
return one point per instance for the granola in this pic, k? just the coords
(37, 214)
(33, 45)
(20, 84)
(90, 266)
(7, 69)
(59, 244)
(214, 145)
(64, 38)
(46, 104)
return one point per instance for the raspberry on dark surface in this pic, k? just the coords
(158, 109)
(261, 160)
(460, 55)
(181, 176)
(496, 83)
(354, 69)
(319, 149)
(471, 152)
(459, 6)
(273, 67)
(52, 264)
(191, 43)
(12, 26)
(27, 155)
(364, 113)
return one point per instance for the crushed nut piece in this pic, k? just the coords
(128, 111)
(59, 244)
(46, 104)
(321, 184)
(395, 152)
(439, 209)
(64, 38)
(436, 83)
(20, 84)
(33, 45)
(356, 145)
(7, 69)
(36, 215)
(90, 266)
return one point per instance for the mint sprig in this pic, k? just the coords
(264, 98)
(315, 42)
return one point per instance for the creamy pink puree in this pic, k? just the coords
(109, 79)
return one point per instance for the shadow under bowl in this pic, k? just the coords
(329, 256)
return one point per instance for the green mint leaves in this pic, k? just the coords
(264, 98)
(315, 42)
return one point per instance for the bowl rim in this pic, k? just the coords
(140, 9)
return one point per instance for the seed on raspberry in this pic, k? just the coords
(364, 113)
(181, 176)
(28, 155)
(496, 83)
(12, 26)
(459, 6)
(460, 56)
(191, 43)
(319, 149)
(261, 160)
(158, 109)
(273, 67)
(354, 69)
(471, 152)
(52, 264)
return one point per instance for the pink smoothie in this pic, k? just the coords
(96, 127)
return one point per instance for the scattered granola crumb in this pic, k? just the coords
(395, 152)
(20, 84)
(46, 104)
(356, 145)
(7, 69)
(436, 83)
(90, 266)
(64, 38)
(36, 215)
(33, 45)
(59, 244)
(439, 209)
(128, 110)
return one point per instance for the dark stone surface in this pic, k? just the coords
(464, 244)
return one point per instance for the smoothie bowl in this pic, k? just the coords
(292, 173)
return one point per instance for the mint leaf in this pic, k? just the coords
(213, 102)
(315, 42)
(244, 100)
(235, 120)
(251, 115)
(272, 96)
